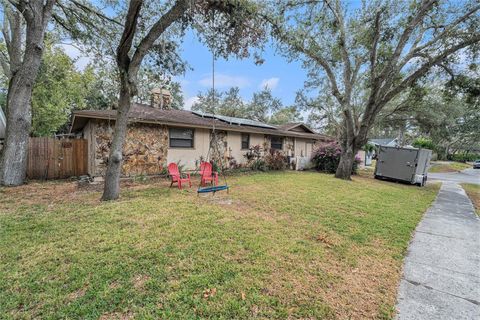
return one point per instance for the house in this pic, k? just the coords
(158, 135)
(389, 142)
(366, 157)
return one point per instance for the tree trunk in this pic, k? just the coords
(345, 166)
(111, 190)
(23, 72)
(13, 161)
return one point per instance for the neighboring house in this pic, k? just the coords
(157, 136)
(366, 157)
(389, 142)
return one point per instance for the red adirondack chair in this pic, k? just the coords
(207, 175)
(176, 177)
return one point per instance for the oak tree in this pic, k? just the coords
(374, 52)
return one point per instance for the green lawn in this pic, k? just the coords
(280, 245)
(437, 167)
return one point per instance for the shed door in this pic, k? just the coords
(396, 163)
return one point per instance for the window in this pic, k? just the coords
(276, 143)
(245, 141)
(181, 138)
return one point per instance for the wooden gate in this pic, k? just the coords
(50, 158)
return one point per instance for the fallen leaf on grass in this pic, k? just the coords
(77, 294)
(325, 240)
(207, 293)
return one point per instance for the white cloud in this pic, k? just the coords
(189, 102)
(81, 59)
(225, 81)
(270, 83)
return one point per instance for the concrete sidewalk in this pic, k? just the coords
(441, 276)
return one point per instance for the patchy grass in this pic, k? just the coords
(437, 167)
(473, 191)
(280, 245)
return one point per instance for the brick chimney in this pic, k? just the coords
(161, 99)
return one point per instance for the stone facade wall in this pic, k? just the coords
(289, 146)
(145, 150)
(219, 149)
(266, 144)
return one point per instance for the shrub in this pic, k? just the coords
(276, 160)
(423, 143)
(326, 157)
(257, 161)
(356, 162)
(232, 163)
(259, 165)
(462, 157)
(368, 147)
(253, 153)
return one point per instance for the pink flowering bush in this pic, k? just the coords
(326, 157)
(276, 160)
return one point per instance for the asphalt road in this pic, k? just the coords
(466, 176)
(441, 274)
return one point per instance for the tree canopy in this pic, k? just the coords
(59, 89)
(367, 57)
(263, 106)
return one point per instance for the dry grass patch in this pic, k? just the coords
(77, 294)
(139, 281)
(473, 192)
(117, 316)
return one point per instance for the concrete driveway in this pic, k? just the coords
(466, 176)
(441, 275)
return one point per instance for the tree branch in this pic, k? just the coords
(373, 52)
(172, 15)
(295, 45)
(415, 50)
(94, 12)
(123, 58)
(390, 66)
(426, 67)
(347, 69)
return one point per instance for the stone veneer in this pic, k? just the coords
(145, 150)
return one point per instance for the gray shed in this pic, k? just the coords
(403, 164)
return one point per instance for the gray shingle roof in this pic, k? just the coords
(183, 118)
(382, 142)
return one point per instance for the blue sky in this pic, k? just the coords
(283, 78)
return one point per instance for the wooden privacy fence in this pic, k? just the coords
(50, 158)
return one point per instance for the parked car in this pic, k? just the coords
(476, 164)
